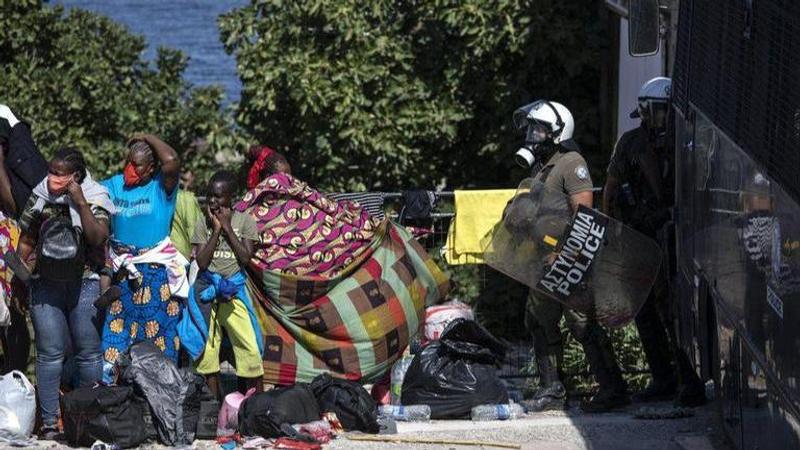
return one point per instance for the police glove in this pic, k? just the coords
(7, 122)
(5, 113)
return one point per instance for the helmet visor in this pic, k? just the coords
(521, 115)
(537, 132)
(654, 113)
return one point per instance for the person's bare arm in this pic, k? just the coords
(6, 198)
(204, 253)
(242, 248)
(27, 242)
(610, 192)
(170, 161)
(585, 198)
(96, 231)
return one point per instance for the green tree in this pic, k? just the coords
(79, 78)
(387, 94)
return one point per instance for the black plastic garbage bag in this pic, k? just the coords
(174, 395)
(457, 372)
(352, 404)
(271, 414)
(200, 408)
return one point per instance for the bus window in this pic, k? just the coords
(644, 33)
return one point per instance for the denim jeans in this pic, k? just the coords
(64, 318)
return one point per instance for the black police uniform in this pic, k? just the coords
(644, 197)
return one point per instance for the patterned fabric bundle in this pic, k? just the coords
(344, 294)
(9, 237)
(304, 233)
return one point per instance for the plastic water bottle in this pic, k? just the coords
(410, 413)
(398, 374)
(497, 412)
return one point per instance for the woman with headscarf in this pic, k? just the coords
(65, 222)
(147, 309)
(261, 162)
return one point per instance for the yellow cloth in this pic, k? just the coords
(452, 257)
(477, 212)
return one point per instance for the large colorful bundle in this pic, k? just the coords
(340, 291)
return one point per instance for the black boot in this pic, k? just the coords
(656, 391)
(552, 397)
(551, 394)
(691, 395)
(613, 391)
(691, 390)
(606, 400)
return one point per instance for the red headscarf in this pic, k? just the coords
(254, 175)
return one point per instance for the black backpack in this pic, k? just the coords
(59, 250)
(271, 414)
(352, 404)
(107, 413)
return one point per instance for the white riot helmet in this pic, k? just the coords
(653, 103)
(544, 122)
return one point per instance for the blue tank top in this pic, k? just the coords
(144, 213)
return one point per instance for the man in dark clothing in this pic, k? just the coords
(560, 168)
(639, 191)
(23, 168)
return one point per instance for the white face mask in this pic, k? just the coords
(536, 135)
(524, 157)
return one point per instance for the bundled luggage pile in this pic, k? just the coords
(448, 378)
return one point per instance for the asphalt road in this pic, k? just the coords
(571, 430)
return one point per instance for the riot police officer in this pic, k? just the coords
(639, 191)
(556, 162)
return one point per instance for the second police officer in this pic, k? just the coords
(639, 192)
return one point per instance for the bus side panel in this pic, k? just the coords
(738, 238)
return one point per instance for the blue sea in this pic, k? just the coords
(187, 25)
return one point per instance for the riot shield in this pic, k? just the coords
(583, 259)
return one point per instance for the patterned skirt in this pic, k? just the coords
(149, 313)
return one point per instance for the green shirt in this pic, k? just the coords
(187, 214)
(224, 260)
(566, 172)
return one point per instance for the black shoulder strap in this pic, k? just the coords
(545, 172)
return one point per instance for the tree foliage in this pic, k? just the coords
(79, 78)
(396, 94)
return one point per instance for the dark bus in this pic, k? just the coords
(735, 261)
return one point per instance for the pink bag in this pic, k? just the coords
(437, 317)
(228, 420)
(380, 391)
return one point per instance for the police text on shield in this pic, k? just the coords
(583, 241)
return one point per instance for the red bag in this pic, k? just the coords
(380, 391)
(293, 444)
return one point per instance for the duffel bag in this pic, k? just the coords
(349, 400)
(104, 413)
(268, 414)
